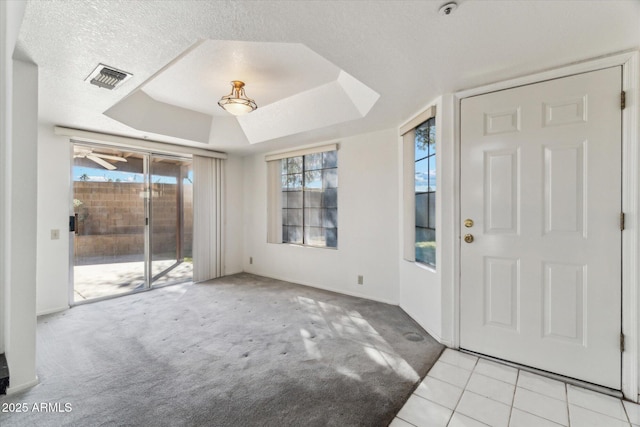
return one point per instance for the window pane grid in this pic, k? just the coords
(309, 200)
(425, 192)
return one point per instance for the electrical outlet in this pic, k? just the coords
(55, 234)
(360, 280)
(250, 260)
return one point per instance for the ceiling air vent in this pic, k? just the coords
(108, 77)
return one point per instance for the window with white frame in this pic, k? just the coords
(419, 188)
(303, 197)
(425, 192)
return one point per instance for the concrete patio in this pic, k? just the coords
(102, 280)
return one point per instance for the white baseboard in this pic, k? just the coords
(52, 310)
(22, 387)
(325, 288)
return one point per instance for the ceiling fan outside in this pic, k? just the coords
(80, 152)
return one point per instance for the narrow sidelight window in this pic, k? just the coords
(425, 192)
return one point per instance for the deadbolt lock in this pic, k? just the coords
(468, 238)
(468, 223)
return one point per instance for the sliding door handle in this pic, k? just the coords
(73, 223)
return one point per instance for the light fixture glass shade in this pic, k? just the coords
(237, 102)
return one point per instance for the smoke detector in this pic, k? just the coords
(448, 8)
(108, 77)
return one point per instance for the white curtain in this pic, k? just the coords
(208, 218)
(274, 201)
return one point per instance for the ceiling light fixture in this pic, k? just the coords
(237, 102)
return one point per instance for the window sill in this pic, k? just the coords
(307, 246)
(426, 267)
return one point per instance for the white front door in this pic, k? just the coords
(541, 181)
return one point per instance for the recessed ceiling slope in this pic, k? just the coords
(144, 113)
(342, 100)
(296, 89)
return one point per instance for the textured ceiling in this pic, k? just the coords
(403, 50)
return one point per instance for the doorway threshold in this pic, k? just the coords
(578, 383)
(133, 292)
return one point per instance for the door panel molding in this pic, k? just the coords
(502, 174)
(501, 302)
(562, 194)
(630, 62)
(564, 301)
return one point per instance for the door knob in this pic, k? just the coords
(468, 238)
(468, 223)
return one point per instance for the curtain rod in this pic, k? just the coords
(125, 141)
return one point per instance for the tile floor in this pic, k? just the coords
(464, 391)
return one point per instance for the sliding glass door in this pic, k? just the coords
(132, 221)
(171, 220)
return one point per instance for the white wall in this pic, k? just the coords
(20, 340)
(18, 148)
(449, 217)
(367, 231)
(6, 46)
(427, 294)
(11, 13)
(54, 208)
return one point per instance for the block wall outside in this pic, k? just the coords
(111, 221)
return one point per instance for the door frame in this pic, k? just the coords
(630, 63)
(145, 173)
(148, 156)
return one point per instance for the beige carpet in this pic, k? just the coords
(237, 351)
